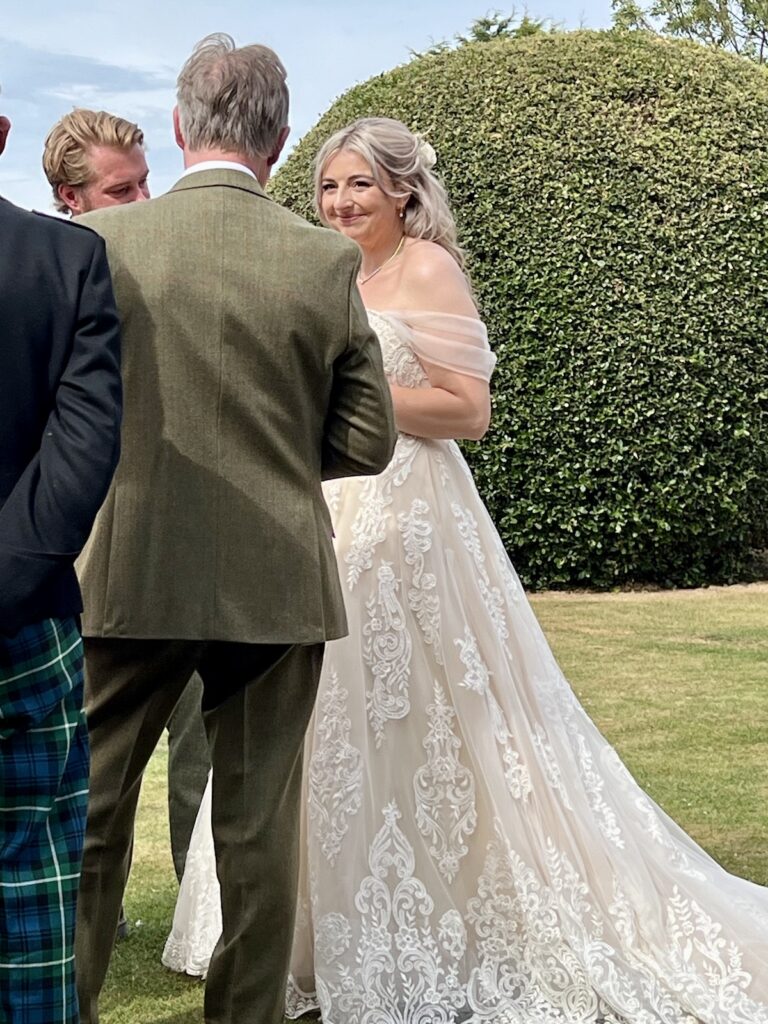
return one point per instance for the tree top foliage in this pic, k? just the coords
(740, 26)
(492, 26)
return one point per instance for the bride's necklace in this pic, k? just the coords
(363, 280)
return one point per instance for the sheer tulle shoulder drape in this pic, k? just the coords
(454, 342)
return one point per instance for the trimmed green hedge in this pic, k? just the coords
(611, 191)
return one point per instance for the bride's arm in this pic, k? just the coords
(456, 405)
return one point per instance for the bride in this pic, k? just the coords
(473, 849)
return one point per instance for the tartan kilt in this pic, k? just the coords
(43, 804)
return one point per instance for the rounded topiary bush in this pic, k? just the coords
(611, 192)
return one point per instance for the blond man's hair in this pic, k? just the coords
(65, 155)
(232, 98)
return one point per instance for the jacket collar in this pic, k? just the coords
(217, 177)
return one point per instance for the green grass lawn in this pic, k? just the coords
(678, 681)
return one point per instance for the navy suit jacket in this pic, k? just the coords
(60, 407)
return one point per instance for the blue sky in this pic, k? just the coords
(124, 57)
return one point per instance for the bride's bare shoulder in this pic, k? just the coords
(433, 280)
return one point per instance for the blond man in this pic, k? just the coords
(93, 159)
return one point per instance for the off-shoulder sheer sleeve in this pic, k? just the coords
(458, 343)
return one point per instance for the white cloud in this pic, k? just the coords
(134, 103)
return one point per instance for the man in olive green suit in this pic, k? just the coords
(249, 373)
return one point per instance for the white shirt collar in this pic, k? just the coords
(219, 165)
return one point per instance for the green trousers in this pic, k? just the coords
(188, 766)
(257, 701)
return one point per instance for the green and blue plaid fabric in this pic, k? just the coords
(43, 803)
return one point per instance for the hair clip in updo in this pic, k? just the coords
(426, 152)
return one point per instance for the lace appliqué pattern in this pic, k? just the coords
(558, 702)
(387, 649)
(332, 495)
(477, 678)
(444, 790)
(422, 593)
(369, 528)
(594, 784)
(550, 765)
(544, 956)
(401, 364)
(492, 596)
(335, 775)
(403, 973)
(525, 961)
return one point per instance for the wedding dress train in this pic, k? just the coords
(473, 849)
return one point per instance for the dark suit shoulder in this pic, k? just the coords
(68, 230)
(60, 222)
(42, 229)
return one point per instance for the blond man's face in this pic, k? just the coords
(118, 176)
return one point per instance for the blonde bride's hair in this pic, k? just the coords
(401, 165)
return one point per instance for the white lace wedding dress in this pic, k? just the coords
(474, 850)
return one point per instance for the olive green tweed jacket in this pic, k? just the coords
(250, 373)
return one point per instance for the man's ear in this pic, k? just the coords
(70, 196)
(177, 129)
(281, 140)
(5, 127)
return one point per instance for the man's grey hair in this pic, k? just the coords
(232, 98)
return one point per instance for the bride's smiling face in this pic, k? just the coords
(353, 203)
